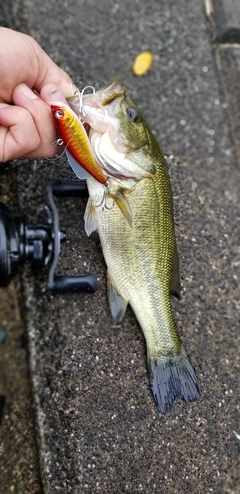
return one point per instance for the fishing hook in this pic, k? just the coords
(80, 95)
(103, 200)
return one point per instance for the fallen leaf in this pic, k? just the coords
(142, 63)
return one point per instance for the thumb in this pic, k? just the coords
(50, 93)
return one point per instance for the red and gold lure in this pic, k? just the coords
(75, 138)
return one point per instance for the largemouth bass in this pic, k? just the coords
(133, 215)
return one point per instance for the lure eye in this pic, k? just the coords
(133, 114)
(59, 113)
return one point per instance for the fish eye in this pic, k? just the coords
(59, 114)
(133, 114)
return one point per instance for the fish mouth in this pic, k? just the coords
(101, 109)
(108, 157)
(102, 112)
(99, 117)
(112, 93)
(108, 94)
(116, 164)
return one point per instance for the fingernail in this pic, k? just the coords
(56, 95)
(26, 91)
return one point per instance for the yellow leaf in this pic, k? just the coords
(142, 63)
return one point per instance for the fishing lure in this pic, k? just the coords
(75, 138)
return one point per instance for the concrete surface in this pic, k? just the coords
(225, 16)
(98, 428)
(19, 458)
(228, 62)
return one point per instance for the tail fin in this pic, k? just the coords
(171, 378)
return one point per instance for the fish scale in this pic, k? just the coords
(145, 285)
(136, 229)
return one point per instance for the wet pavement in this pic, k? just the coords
(98, 429)
(19, 458)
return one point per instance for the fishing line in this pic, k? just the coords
(58, 142)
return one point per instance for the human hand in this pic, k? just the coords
(29, 82)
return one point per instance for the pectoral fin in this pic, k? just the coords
(123, 204)
(90, 218)
(117, 304)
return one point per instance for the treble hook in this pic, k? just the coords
(80, 95)
(103, 200)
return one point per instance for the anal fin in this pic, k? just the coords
(117, 303)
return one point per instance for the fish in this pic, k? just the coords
(75, 138)
(141, 253)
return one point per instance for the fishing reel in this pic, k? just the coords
(40, 243)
